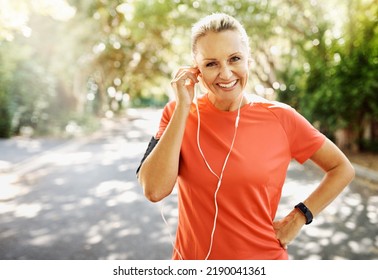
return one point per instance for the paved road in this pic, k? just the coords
(79, 199)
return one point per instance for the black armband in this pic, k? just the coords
(150, 147)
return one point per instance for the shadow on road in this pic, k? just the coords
(346, 229)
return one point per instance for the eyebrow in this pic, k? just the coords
(236, 53)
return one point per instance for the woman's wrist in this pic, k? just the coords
(182, 109)
(298, 217)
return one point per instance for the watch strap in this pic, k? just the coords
(305, 211)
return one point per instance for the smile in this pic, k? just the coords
(229, 85)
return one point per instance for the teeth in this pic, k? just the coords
(228, 85)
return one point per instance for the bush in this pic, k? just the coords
(5, 118)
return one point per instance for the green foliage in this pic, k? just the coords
(32, 92)
(5, 117)
(341, 73)
(40, 78)
(109, 55)
(8, 64)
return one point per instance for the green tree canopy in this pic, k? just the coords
(65, 59)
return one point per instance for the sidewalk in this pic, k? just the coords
(18, 149)
(20, 156)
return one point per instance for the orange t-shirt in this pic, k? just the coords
(269, 135)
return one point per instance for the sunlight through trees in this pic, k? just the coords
(66, 62)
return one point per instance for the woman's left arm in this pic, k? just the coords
(339, 172)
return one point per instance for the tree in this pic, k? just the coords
(104, 54)
(337, 84)
(356, 76)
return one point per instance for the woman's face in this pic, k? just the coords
(223, 61)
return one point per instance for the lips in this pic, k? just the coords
(228, 85)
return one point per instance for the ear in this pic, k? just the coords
(195, 65)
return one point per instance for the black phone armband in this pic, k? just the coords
(151, 146)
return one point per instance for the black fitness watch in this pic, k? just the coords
(305, 211)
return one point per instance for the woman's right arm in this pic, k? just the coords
(158, 173)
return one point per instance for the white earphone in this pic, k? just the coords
(220, 177)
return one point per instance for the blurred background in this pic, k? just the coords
(64, 63)
(82, 83)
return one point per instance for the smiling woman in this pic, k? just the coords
(229, 157)
(223, 70)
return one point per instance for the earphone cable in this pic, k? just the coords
(169, 231)
(211, 170)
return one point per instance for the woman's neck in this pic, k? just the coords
(227, 105)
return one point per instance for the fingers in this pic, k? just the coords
(283, 244)
(185, 76)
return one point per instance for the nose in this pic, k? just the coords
(225, 72)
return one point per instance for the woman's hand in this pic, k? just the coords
(288, 228)
(183, 84)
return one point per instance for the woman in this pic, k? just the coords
(229, 156)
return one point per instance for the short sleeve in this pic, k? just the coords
(165, 118)
(304, 138)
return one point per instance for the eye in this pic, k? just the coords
(235, 58)
(211, 64)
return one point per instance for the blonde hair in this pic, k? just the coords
(217, 22)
